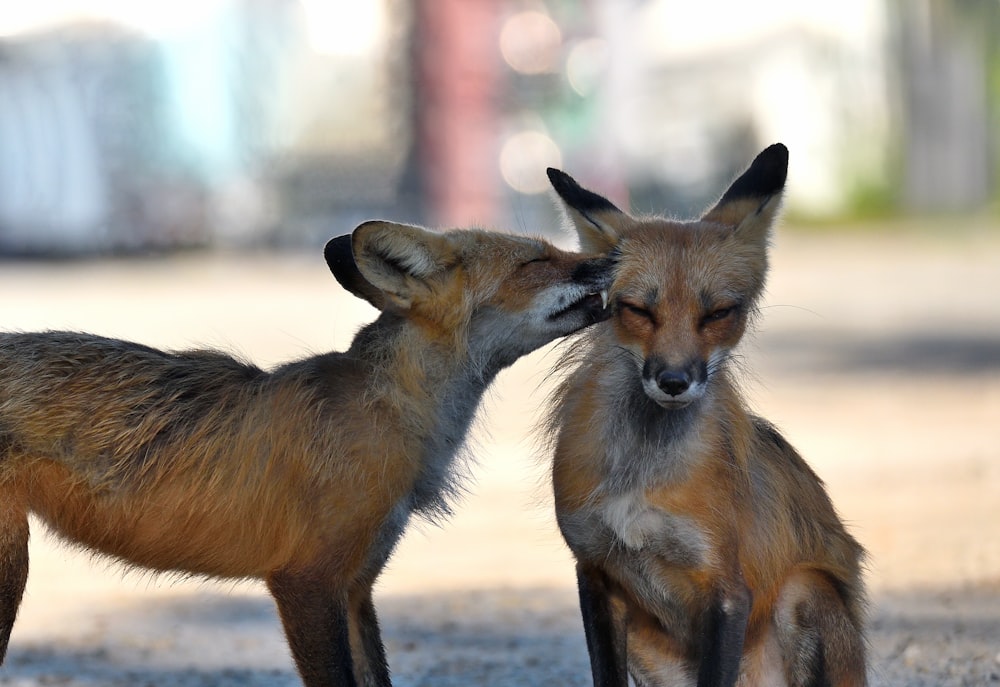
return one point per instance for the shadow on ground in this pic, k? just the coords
(493, 637)
(502, 637)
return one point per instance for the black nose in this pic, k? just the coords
(673, 383)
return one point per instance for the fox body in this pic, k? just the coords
(304, 476)
(708, 552)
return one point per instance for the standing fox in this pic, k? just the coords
(707, 551)
(305, 476)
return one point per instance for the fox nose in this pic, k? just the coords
(673, 383)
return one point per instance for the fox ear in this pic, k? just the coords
(397, 259)
(340, 259)
(752, 201)
(592, 215)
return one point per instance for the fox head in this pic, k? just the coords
(499, 295)
(683, 291)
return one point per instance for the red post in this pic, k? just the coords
(458, 74)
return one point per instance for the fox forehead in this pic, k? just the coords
(517, 267)
(664, 262)
(478, 246)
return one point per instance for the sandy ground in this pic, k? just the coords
(878, 355)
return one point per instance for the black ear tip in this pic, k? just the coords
(764, 178)
(775, 149)
(337, 243)
(559, 179)
(775, 157)
(338, 250)
(575, 195)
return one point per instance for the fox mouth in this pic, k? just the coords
(671, 405)
(595, 302)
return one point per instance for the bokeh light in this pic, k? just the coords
(531, 42)
(523, 159)
(586, 64)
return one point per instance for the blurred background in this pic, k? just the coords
(169, 170)
(128, 126)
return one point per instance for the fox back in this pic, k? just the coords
(304, 476)
(708, 551)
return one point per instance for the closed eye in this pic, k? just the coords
(719, 314)
(637, 310)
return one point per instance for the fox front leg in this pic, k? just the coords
(13, 567)
(724, 631)
(370, 666)
(317, 628)
(604, 628)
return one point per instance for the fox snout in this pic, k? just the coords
(674, 386)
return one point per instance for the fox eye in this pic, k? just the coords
(719, 314)
(636, 310)
(540, 258)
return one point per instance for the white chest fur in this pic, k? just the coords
(637, 525)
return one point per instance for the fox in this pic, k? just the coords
(305, 476)
(707, 552)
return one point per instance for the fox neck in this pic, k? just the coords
(647, 444)
(431, 390)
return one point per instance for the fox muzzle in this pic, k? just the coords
(673, 386)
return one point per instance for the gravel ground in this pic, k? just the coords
(878, 355)
(522, 636)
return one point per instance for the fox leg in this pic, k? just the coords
(725, 628)
(315, 618)
(371, 669)
(821, 645)
(604, 627)
(13, 564)
(370, 666)
(655, 657)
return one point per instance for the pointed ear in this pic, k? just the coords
(340, 259)
(752, 201)
(398, 259)
(593, 216)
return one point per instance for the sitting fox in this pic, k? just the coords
(707, 551)
(304, 476)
